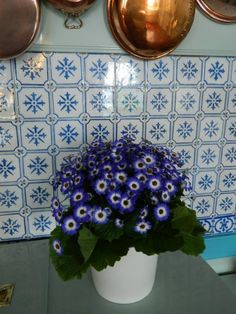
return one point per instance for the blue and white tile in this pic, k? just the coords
(216, 70)
(226, 204)
(32, 69)
(7, 103)
(35, 136)
(158, 131)
(99, 130)
(232, 101)
(129, 71)
(33, 102)
(161, 71)
(99, 102)
(187, 101)
(62, 158)
(66, 68)
(67, 102)
(229, 155)
(230, 132)
(214, 100)
(228, 180)
(41, 223)
(130, 102)
(189, 70)
(211, 129)
(208, 156)
(130, 128)
(99, 69)
(39, 195)
(159, 101)
(205, 182)
(5, 71)
(11, 198)
(233, 74)
(9, 168)
(8, 136)
(185, 130)
(204, 206)
(186, 155)
(223, 224)
(37, 166)
(68, 134)
(12, 227)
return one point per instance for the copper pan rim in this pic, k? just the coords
(25, 33)
(151, 55)
(214, 15)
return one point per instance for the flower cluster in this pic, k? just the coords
(124, 192)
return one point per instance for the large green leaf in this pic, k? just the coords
(87, 242)
(184, 219)
(108, 231)
(107, 253)
(193, 245)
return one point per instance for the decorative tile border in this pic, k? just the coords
(51, 104)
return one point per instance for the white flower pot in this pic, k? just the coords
(129, 280)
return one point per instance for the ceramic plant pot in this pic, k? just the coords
(129, 280)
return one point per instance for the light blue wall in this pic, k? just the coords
(54, 103)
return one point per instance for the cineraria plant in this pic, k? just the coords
(118, 195)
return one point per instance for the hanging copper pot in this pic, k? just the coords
(150, 29)
(73, 9)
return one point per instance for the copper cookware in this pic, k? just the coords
(19, 23)
(219, 10)
(73, 9)
(150, 29)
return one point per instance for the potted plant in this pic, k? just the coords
(119, 205)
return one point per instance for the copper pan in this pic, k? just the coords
(72, 9)
(19, 24)
(150, 29)
(219, 10)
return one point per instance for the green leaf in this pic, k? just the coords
(193, 245)
(108, 231)
(107, 253)
(184, 219)
(87, 242)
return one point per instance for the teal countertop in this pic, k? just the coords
(184, 285)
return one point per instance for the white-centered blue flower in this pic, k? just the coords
(70, 225)
(100, 216)
(154, 183)
(78, 196)
(57, 214)
(55, 203)
(144, 212)
(65, 186)
(122, 166)
(114, 198)
(139, 165)
(134, 184)
(141, 177)
(161, 212)
(82, 213)
(121, 177)
(142, 227)
(170, 187)
(149, 159)
(56, 244)
(119, 223)
(100, 186)
(154, 200)
(165, 196)
(126, 204)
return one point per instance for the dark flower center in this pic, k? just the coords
(126, 203)
(57, 246)
(78, 197)
(102, 185)
(161, 211)
(142, 226)
(71, 225)
(100, 215)
(82, 211)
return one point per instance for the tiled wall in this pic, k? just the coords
(64, 100)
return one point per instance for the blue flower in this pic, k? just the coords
(114, 198)
(149, 159)
(70, 226)
(119, 223)
(100, 186)
(144, 212)
(170, 187)
(161, 212)
(58, 214)
(142, 226)
(141, 177)
(165, 196)
(81, 213)
(78, 196)
(126, 204)
(121, 177)
(78, 180)
(134, 184)
(55, 204)
(56, 244)
(66, 186)
(154, 183)
(154, 199)
(139, 165)
(100, 216)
